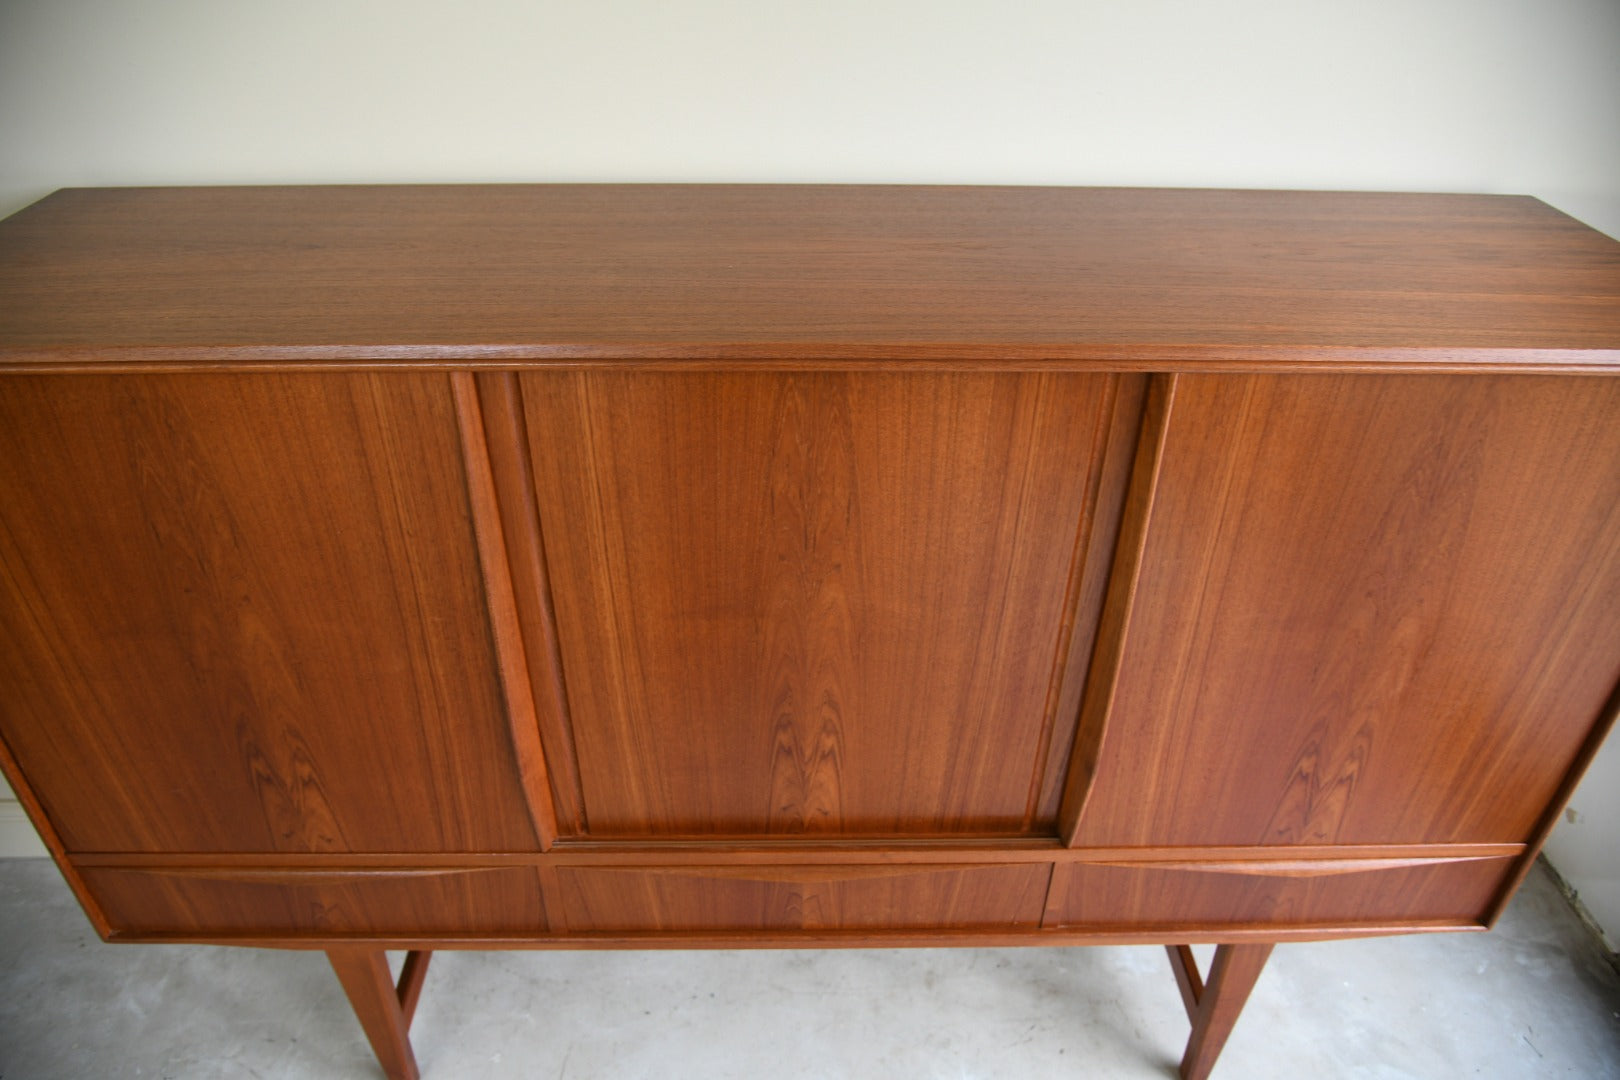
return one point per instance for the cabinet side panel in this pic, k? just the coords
(244, 613)
(1372, 609)
(793, 603)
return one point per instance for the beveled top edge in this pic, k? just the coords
(821, 275)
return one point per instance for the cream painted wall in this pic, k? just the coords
(1466, 95)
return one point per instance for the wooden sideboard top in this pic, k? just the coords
(729, 275)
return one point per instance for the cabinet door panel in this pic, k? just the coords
(792, 603)
(276, 638)
(1370, 609)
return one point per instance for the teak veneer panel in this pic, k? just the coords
(664, 899)
(1369, 609)
(1209, 896)
(476, 900)
(244, 613)
(696, 273)
(815, 603)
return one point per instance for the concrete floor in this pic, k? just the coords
(1536, 998)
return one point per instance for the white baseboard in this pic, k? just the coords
(18, 840)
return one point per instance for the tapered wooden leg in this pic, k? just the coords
(383, 1009)
(1213, 1006)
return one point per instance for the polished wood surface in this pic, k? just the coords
(376, 1000)
(815, 603)
(412, 977)
(506, 627)
(1038, 276)
(1214, 1007)
(1113, 618)
(470, 900)
(801, 851)
(243, 613)
(506, 447)
(1333, 892)
(1369, 610)
(803, 898)
(679, 566)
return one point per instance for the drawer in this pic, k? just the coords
(237, 901)
(1316, 893)
(673, 898)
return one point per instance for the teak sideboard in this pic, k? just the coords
(725, 566)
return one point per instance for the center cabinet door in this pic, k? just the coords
(853, 603)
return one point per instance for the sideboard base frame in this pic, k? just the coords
(385, 1008)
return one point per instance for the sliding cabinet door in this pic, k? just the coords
(819, 603)
(244, 612)
(1368, 609)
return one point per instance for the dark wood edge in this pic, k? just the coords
(1232, 975)
(1293, 868)
(507, 440)
(501, 605)
(300, 874)
(376, 1001)
(824, 939)
(814, 356)
(1102, 677)
(800, 872)
(1070, 630)
(1188, 980)
(411, 978)
(1601, 726)
(1109, 467)
(53, 842)
(567, 854)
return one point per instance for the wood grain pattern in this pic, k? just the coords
(1202, 897)
(468, 900)
(370, 987)
(506, 629)
(1095, 553)
(242, 613)
(811, 604)
(996, 276)
(507, 441)
(802, 898)
(1370, 609)
(412, 977)
(1554, 812)
(1232, 975)
(1184, 965)
(870, 938)
(24, 791)
(824, 577)
(798, 851)
(1114, 618)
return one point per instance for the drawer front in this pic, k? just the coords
(202, 902)
(1347, 893)
(677, 898)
